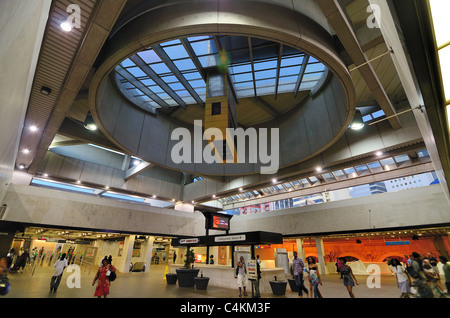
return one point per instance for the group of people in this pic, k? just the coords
(422, 273)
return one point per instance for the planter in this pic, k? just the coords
(201, 283)
(293, 285)
(171, 279)
(278, 287)
(186, 277)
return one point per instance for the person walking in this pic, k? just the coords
(242, 276)
(446, 270)
(59, 266)
(420, 280)
(297, 269)
(174, 257)
(314, 277)
(102, 277)
(349, 278)
(403, 279)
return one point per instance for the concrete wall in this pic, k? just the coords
(408, 208)
(165, 184)
(22, 25)
(353, 144)
(29, 204)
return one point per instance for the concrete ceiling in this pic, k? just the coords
(67, 62)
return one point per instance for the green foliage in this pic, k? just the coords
(190, 258)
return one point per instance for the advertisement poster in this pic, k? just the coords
(251, 269)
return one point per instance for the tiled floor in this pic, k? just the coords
(153, 285)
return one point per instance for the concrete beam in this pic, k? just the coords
(134, 171)
(336, 17)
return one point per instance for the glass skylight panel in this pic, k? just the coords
(286, 71)
(361, 168)
(127, 63)
(149, 56)
(265, 65)
(185, 65)
(243, 77)
(312, 77)
(192, 75)
(148, 82)
(284, 88)
(176, 52)
(62, 186)
(378, 114)
(240, 68)
(401, 158)
(423, 153)
(266, 82)
(123, 197)
(170, 78)
(328, 175)
(176, 86)
(349, 170)
(268, 90)
(204, 47)
(243, 85)
(168, 43)
(387, 161)
(245, 93)
(374, 165)
(156, 89)
(307, 85)
(265, 74)
(197, 83)
(208, 60)
(291, 61)
(338, 173)
(304, 182)
(160, 68)
(314, 67)
(287, 80)
(136, 72)
(198, 38)
(313, 179)
(367, 118)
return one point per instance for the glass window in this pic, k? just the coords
(176, 52)
(185, 65)
(137, 72)
(160, 68)
(149, 56)
(378, 114)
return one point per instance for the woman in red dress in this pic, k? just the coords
(102, 288)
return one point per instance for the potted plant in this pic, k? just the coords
(201, 283)
(187, 274)
(278, 287)
(171, 278)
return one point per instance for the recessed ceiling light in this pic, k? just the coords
(66, 26)
(240, 189)
(78, 182)
(25, 151)
(319, 169)
(214, 196)
(22, 166)
(46, 90)
(193, 202)
(136, 162)
(274, 180)
(45, 175)
(154, 196)
(33, 128)
(106, 187)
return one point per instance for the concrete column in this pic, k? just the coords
(300, 250)
(127, 253)
(320, 253)
(149, 252)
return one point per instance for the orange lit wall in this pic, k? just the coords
(373, 250)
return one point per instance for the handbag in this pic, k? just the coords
(112, 276)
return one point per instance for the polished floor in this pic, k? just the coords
(153, 285)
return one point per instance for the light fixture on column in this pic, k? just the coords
(89, 123)
(357, 123)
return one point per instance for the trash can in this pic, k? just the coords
(171, 279)
(201, 283)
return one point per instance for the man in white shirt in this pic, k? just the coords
(57, 275)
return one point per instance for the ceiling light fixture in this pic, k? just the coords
(274, 180)
(46, 90)
(357, 123)
(26, 151)
(33, 128)
(89, 123)
(319, 169)
(378, 153)
(21, 166)
(66, 26)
